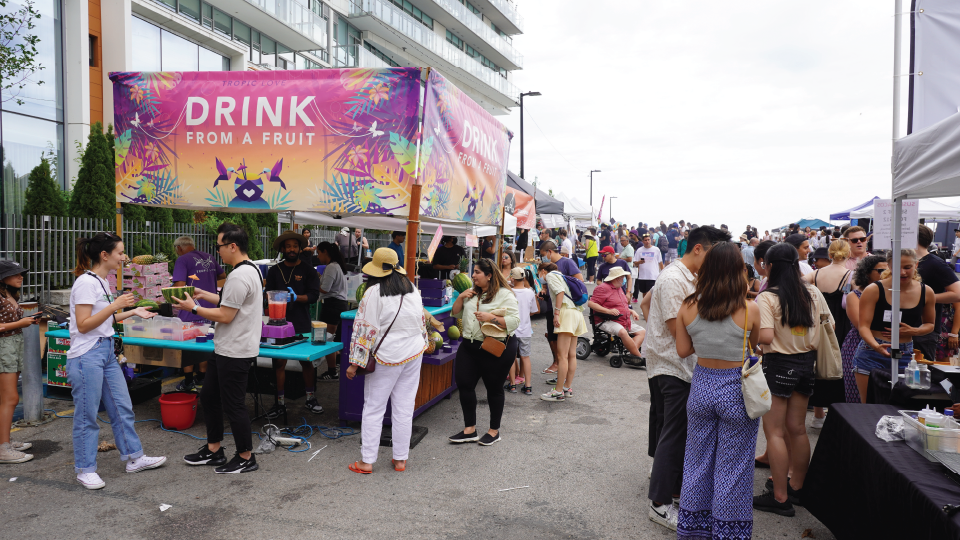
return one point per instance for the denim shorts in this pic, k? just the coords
(789, 373)
(11, 353)
(867, 359)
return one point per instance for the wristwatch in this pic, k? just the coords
(194, 310)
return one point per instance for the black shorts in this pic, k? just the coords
(551, 333)
(642, 286)
(789, 373)
(331, 309)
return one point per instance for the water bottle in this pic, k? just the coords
(912, 375)
(752, 360)
(369, 253)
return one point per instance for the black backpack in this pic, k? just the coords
(663, 243)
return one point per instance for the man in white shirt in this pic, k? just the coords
(669, 376)
(646, 266)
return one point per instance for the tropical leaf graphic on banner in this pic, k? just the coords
(392, 180)
(121, 145)
(367, 196)
(355, 79)
(425, 150)
(339, 194)
(160, 80)
(218, 197)
(280, 200)
(405, 152)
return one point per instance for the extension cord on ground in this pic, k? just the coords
(286, 441)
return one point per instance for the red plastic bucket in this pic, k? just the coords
(178, 410)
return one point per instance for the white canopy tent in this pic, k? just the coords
(452, 228)
(577, 210)
(929, 209)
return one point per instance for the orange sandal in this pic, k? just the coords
(355, 467)
(399, 468)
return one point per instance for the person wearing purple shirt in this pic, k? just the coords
(191, 262)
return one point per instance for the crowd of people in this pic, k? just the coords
(710, 305)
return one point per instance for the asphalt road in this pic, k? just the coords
(582, 464)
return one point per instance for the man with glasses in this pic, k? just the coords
(669, 375)
(857, 238)
(237, 344)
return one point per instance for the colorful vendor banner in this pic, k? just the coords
(324, 140)
(463, 157)
(522, 207)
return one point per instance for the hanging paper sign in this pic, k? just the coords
(463, 157)
(883, 224)
(472, 241)
(435, 243)
(328, 140)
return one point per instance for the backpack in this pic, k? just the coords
(663, 243)
(578, 290)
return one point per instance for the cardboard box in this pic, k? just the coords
(152, 356)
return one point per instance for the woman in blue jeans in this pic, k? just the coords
(92, 368)
(917, 316)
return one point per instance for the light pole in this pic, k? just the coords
(534, 94)
(591, 172)
(611, 206)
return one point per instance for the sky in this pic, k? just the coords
(733, 112)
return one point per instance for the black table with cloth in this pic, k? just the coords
(860, 486)
(903, 397)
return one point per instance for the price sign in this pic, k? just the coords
(883, 224)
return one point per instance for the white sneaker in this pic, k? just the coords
(143, 463)
(817, 423)
(20, 446)
(665, 515)
(9, 455)
(90, 480)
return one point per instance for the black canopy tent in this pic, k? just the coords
(545, 204)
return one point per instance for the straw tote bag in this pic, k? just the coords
(829, 362)
(756, 393)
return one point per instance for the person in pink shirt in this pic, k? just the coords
(857, 237)
(610, 299)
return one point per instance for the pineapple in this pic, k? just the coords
(143, 259)
(161, 258)
(460, 325)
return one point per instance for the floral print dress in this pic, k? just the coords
(847, 351)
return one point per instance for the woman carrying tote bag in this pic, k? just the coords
(790, 329)
(713, 323)
(390, 332)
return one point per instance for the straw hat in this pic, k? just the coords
(492, 330)
(289, 235)
(615, 273)
(384, 262)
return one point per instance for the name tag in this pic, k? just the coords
(888, 316)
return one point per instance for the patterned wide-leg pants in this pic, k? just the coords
(716, 500)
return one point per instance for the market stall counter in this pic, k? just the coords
(436, 372)
(860, 486)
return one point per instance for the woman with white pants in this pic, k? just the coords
(389, 330)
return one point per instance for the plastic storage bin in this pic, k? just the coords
(136, 327)
(922, 438)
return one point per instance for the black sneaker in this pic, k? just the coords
(767, 503)
(330, 375)
(276, 411)
(205, 457)
(183, 386)
(793, 495)
(238, 465)
(312, 406)
(489, 439)
(552, 381)
(463, 437)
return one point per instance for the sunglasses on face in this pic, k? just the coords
(223, 245)
(857, 240)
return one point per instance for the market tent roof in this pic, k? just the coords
(453, 228)
(929, 209)
(926, 163)
(575, 209)
(813, 223)
(545, 204)
(845, 215)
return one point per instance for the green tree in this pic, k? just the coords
(247, 221)
(44, 197)
(94, 195)
(183, 216)
(18, 50)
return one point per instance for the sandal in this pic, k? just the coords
(355, 467)
(398, 468)
(548, 371)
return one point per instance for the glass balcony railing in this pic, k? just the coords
(482, 29)
(509, 11)
(435, 43)
(296, 16)
(350, 56)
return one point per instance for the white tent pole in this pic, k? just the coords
(897, 203)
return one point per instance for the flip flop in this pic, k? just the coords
(355, 467)
(400, 468)
(547, 371)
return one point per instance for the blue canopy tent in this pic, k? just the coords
(813, 223)
(845, 215)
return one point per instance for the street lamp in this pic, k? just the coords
(611, 206)
(534, 94)
(591, 172)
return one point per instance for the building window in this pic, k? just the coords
(241, 32)
(93, 51)
(207, 16)
(457, 42)
(376, 52)
(155, 49)
(472, 9)
(172, 4)
(178, 54)
(191, 9)
(222, 22)
(414, 12)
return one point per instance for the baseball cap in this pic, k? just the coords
(565, 249)
(821, 253)
(516, 273)
(607, 249)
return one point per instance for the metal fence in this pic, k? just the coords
(46, 245)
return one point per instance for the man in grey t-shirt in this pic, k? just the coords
(237, 343)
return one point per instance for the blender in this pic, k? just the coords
(277, 331)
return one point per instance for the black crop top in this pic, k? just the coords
(912, 317)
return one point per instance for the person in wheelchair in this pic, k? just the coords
(613, 313)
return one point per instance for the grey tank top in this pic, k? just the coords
(721, 340)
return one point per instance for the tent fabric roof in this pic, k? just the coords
(545, 204)
(845, 215)
(813, 223)
(575, 209)
(928, 210)
(926, 163)
(453, 228)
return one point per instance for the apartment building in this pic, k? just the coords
(82, 41)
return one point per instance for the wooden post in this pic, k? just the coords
(120, 234)
(413, 226)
